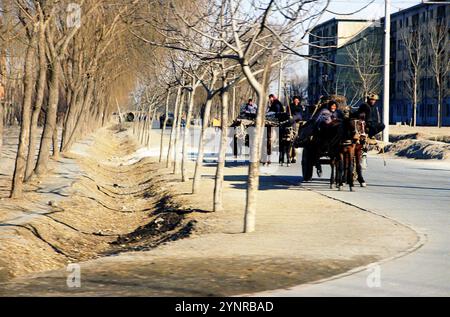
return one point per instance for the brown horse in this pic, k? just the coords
(343, 158)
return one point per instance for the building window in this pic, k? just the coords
(430, 111)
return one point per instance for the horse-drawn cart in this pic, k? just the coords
(242, 123)
(315, 152)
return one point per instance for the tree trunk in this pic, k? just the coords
(147, 126)
(75, 133)
(42, 81)
(2, 103)
(50, 120)
(166, 114)
(176, 165)
(220, 171)
(172, 134)
(2, 98)
(201, 147)
(21, 159)
(74, 107)
(253, 171)
(152, 121)
(439, 110)
(143, 124)
(141, 127)
(55, 142)
(415, 103)
(184, 177)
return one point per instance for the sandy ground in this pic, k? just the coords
(424, 132)
(420, 142)
(301, 236)
(87, 201)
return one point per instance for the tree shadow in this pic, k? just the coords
(265, 182)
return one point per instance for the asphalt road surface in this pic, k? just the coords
(415, 193)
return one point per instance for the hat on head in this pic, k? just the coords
(373, 96)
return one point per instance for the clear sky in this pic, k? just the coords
(373, 11)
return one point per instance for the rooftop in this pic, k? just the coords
(417, 7)
(337, 20)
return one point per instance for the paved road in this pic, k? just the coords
(415, 193)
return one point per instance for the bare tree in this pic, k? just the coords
(58, 41)
(365, 57)
(30, 24)
(170, 150)
(414, 42)
(228, 30)
(163, 128)
(440, 62)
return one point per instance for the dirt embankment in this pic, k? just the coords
(420, 143)
(103, 199)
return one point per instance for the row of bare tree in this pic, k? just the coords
(214, 47)
(64, 67)
(70, 66)
(421, 60)
(424, 48)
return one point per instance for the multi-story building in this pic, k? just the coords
(333, 68)
(337, 44)
(414, 33)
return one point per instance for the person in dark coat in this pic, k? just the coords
(299, 112)
(370, 113)
(249, 110)
(275, 105)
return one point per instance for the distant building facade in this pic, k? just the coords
(420, 18)
(334, 46)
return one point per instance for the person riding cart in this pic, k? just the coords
(276, 106)
(370, 113)
(329, 115)
(300, 112)
(249, 110)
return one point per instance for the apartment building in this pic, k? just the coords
(421, 23)
(332, 69)
(337, 44)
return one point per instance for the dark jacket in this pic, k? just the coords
(369, 113)
(300, 112)
(276, 107)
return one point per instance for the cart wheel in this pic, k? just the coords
(307, 164)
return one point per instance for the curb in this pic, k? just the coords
(422, 239)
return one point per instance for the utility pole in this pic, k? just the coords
(233, 106)
(387, 71)
(280, 80)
